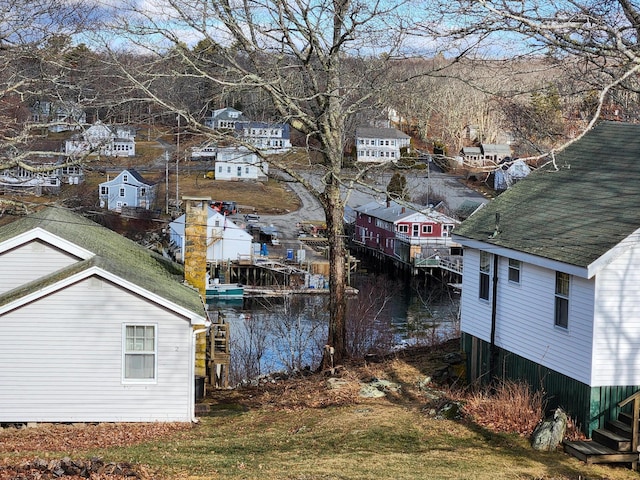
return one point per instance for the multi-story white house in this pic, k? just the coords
(268, 137)
(101, 139)
(128, 189)
(380, 144)
(224, 118)
(239, 163)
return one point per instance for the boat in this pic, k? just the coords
(217, 290)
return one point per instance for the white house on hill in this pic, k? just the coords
(551, 276)
(101, 139)
(239, 163)
(224, 118)
(380, 144)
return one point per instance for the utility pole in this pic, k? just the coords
(177, 160)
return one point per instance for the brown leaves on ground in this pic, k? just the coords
(69, 438)
(58, 438)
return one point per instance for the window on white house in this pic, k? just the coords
(143, 191)
(485, 272)
(104, 190)
(562, 300)
(514, 270)
(122, 192)
(125, 178)
(140, 352)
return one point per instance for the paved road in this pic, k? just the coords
(438, 185)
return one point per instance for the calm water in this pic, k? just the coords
(288, 334)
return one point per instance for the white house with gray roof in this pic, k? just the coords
(380, 144)
(551, 276)
(93, 327)
(224, 118)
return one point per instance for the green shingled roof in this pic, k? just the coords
(114, 253)
(577, 212)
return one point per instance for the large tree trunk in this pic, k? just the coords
(336, 349)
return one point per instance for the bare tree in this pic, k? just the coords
(594, 44)
(317, 63)
(34, 47)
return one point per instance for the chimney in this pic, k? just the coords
(195, 242)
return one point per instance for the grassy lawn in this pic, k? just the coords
(302, 429)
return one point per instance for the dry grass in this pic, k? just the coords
(302, 429)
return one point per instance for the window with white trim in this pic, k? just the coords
(427, 229)
(562, 300)
(515, 266)
(403, 228)
(139, 352)
(122, 192)
(485, 273)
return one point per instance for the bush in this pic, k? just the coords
(507, 407)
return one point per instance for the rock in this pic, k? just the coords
(369, 391)
(549, 434)
(336, 383)
(450, 411)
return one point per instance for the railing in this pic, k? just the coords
(635, 398)
(454, 266)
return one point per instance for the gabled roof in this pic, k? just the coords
(574, 213)
(370, 132)
(133, 173)
(228, 113)
(395, 212)
(113, 253)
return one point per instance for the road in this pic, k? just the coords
(437, 184)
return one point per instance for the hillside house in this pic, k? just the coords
(224, 119)
(93, 327)
(23, 180)
(380, 144)
(225, 240)
(61, 116)
(404, 233)
(551, 275)
(239, 163)
(267, 137)
(101, 139)
(487, 154)
(127, 189)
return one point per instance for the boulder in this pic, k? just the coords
(549, 434)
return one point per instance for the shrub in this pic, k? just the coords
(507, 407)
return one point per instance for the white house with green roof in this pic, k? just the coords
(93, 327)
(552, 275)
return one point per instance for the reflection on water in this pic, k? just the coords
(289, 333)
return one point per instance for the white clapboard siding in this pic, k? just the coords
(17, 265)
(617, 322)
(61, 359)
(525, 317)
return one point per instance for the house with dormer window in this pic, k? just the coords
(224, 119)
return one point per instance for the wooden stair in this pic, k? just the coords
(617, 442)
